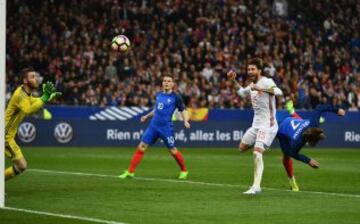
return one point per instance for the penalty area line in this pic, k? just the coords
(194, 182)
(82, 218)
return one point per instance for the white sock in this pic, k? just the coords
(258, 168)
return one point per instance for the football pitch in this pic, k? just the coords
(80, 185)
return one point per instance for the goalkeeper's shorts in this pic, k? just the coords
(12, 150)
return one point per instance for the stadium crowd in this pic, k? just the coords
(311, 48)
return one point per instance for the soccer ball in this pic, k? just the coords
(120, 43)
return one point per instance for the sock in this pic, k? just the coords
(180, 160)
(295, 115)
(258, 168)
(11, 172)
(288, 165)
(138, 155)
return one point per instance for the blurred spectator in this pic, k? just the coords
(312, 48)
(280, 7)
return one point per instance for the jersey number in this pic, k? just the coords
(171, 140)
(160, 106)
(295, 124)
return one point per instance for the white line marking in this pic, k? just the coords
(193, 182)
(83, 218)
(71, 173)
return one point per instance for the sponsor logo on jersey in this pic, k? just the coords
(301, 128)
(63, 132)
(27, 132)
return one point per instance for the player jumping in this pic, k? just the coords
(294, 132)
(22, 104)
(264, 127)
(161, 127)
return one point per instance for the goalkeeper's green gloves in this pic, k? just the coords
(49, 92)
(54, 96)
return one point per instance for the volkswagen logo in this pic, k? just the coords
(27, 132)
(63, 132)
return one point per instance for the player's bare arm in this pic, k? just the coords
(147, 116)
(231, 75)
(185, 117)
(314, 164)
(241, 91)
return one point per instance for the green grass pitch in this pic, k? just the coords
(82, 182)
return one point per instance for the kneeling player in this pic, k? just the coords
(294, 132)
(161, 127)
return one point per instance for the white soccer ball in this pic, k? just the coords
(120, 43)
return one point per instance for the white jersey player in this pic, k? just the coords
(264, 127)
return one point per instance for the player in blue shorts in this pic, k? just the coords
(161, 127)
(294, 132)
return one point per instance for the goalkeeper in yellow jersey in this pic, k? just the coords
(22, 104)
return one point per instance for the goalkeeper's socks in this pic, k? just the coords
(180, 160)
(11, 172)
(138, 155)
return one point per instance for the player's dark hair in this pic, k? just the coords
(258, 62)
(167, 75)
(25, 71)
(313, 135)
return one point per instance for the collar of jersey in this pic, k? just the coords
(163, 92)
(23, 89)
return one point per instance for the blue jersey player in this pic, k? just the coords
(294, 132)
(161, 127)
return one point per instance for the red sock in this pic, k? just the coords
(180, 160)
(288, 164)
(136, 160)
(295, 115)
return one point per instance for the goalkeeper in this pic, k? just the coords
(22, 104)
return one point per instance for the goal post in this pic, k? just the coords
(2, 98)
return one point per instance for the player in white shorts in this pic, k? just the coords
(264, 127)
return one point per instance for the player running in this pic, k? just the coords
(161, 127)
(294, 132)
(22, 104)
(264, 127)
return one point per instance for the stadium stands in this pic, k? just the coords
(312, 54)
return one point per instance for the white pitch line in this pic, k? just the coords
(193, 182)
(83, 218)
